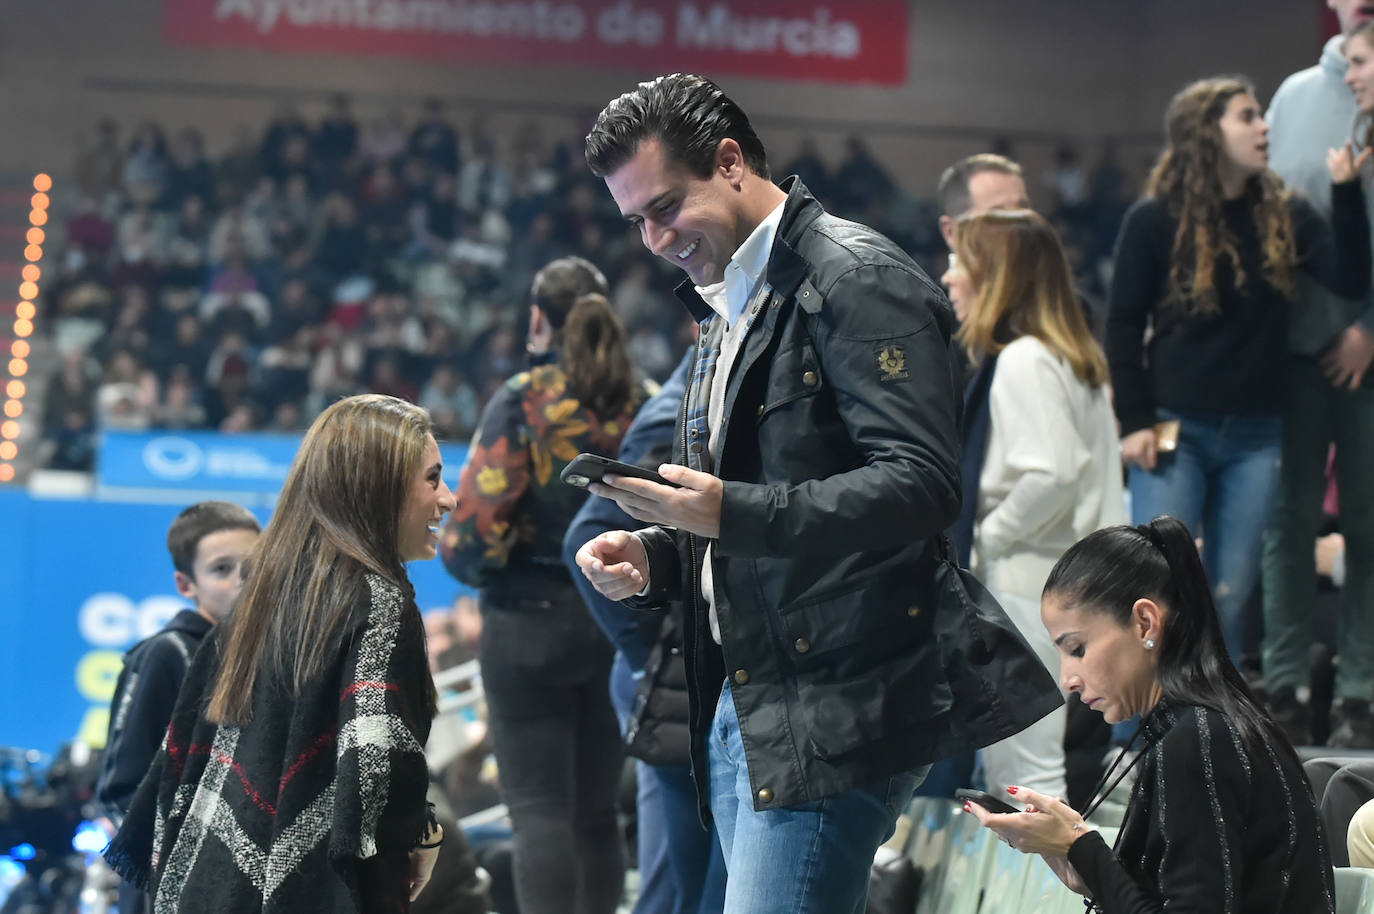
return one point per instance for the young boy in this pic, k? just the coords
(208, 542)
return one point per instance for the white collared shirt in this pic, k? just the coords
(728, 299)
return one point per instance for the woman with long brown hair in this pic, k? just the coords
(293, 776)
(1041, 468)
(1207, 266)
(545, 663)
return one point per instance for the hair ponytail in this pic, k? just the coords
(1108, 571)
(596, 358)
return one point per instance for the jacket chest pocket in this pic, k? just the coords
(794, 374)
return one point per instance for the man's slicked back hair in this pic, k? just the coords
(952, 193)
(688, 114)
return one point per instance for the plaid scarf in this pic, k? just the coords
(314, 805)
(695, 426)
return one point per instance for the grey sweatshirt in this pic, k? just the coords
(1314, 111)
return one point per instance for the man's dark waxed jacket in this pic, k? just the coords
(840, 455)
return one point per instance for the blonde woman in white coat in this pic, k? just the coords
(1051, 468)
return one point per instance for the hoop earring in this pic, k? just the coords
(1149, 644)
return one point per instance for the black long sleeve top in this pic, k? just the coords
(1229, 364)
(144, 697)
(1210, 828)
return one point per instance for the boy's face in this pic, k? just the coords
(215, 580)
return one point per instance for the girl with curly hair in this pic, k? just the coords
(1206, 270)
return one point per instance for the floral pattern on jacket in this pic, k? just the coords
(512, 506)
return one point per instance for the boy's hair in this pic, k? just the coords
(199, 521)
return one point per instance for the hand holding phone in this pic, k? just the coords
(585, 469)
(986, 800)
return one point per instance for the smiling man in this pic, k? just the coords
(818, 463)
(1329, 399)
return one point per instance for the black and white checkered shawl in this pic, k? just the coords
(281, 814)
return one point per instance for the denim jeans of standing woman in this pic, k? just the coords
(1221, 482)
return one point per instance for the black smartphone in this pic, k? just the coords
(585, 469)
(985, 800)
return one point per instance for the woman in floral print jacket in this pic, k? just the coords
(545, 664)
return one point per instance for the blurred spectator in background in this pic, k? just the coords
(978, 184)
(1041, 464)
(545, 663)
(304, 217)
(99, 170)
(146, 167)
(1210, 261)
(1328, 398)
(433, 140)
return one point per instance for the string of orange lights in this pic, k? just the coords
(24, 313)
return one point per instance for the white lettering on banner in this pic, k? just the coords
(720, 29)
(541, 19)
(112, 619)
(241, 463)
(623, 24)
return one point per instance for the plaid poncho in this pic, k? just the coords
(314, 805)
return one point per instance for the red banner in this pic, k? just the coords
(849, 41)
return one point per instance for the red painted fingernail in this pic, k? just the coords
(968, 808)
(1011, 789)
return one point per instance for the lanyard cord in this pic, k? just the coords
(1098, 795)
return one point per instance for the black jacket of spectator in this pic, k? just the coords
(144, 697)
(1229, 365)
(1210, 828)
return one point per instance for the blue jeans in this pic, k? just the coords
(809, 859)
(1222, 482)
(681, 870)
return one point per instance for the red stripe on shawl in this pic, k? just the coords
(325, 740)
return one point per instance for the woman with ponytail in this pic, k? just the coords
(1221, 817)
(1206, 270)
(544, 661)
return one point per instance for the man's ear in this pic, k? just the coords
(186, 585)
(947, 230)
(730, 160)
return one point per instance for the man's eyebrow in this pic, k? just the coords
(652, 204)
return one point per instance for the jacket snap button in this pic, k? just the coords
(694, 432)
(802, 645)
(913, 611)
(695, 447)
(765, 795)
(741, 677)
(810, 379)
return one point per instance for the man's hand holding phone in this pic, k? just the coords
(674, 497)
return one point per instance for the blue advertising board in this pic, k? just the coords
(86, 578)
(208, 462)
